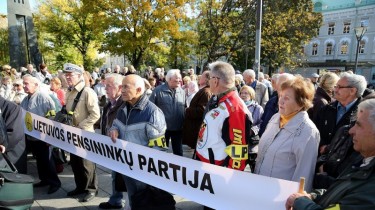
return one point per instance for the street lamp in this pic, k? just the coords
(359, 32)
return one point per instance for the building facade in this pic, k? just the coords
(335, 47)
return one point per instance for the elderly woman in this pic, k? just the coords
(19, 94)
(55, 86)
(324, 93)
(247, 94)
(288, 148)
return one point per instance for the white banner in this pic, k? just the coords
(210, 185)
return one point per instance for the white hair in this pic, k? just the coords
(357, 81)
(117, 78)
(284, 77)
(368, 105)
(249, 72)
(33, 79)
(171, 73)
(260, 75)
(275, 77)
(239, 77)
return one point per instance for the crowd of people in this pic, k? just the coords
(285, 126)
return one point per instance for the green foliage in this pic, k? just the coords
(4, 46)
(70, 24)
(133, 26)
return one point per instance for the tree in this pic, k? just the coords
(4, 45)
(224, 28)
(287, 27)
(72, 23)
(134, 27)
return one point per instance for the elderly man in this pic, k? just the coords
(170, 98)
(30, 70)
(139, 122)
(347, 92)
(227, 122)
(354, 188)
(40, 104)
(85, 115)
(261, 90)
(113, 90)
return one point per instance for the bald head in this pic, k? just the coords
(133, 88)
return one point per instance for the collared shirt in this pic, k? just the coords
(367, 161)
(341, 110)
(253, 84)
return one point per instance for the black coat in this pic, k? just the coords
(321, 99)
(326, 121)
(15, 146)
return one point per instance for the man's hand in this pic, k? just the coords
(290, 201)
(2, 148)
(113, 134)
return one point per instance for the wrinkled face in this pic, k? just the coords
(113, 91)
(214, 83)
(342, 90)
(29, 86)
(72, 78)
(287, 102)
(175, 81)
(129, 92)
(363, 133)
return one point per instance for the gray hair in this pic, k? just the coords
(223, 70)
(284, 77)
(171, 73)
(369, 105)
(275, 77)
(139, 83)
(117, 78)
(33, 79)
(249, 72)
(260, 75)
(357, 81)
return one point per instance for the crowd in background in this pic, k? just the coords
(298, 128)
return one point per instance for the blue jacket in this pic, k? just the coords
(172, 105)
(140, 123)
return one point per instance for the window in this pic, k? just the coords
(331, 28)
(346, 27)
(314, 49)
(361, 49)
(344, 48)
(329, 49)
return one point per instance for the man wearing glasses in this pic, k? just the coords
(347, 92)
(225, 131)
(85, 115)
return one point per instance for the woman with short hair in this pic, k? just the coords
(56, 87)
(288, 148)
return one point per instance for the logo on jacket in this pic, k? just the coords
(29, 121)
(214, 114)
(201, 142)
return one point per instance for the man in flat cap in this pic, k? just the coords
(85, 115)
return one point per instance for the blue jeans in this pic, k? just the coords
(116, 197)
(176, 138)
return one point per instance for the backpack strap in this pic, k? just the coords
(75, 102)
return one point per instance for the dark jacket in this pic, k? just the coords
(172, 103)
(341, 155)
(321, 99)
(270, 109)
(15, 147)
(353, 189)
(326, 121)
(109, 114)
(194, 117)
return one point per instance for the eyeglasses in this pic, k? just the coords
(213, 77)
(340, 87)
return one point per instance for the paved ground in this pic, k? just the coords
(58, 200)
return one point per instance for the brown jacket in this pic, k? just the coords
(109, 114)
(194, 116)
(87, 111)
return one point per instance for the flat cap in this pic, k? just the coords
(69, 67)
